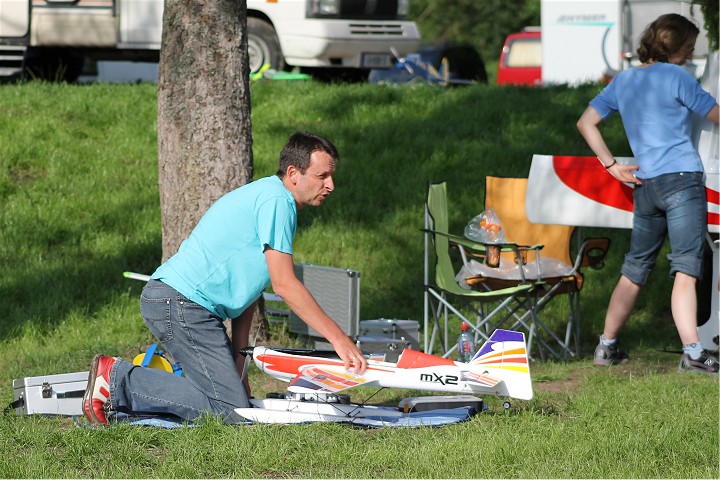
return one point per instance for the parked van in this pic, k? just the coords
(51, 38)
(521, 59)
(592, 41)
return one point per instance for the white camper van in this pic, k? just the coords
(53, 37)
(591, 40)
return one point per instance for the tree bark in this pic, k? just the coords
(204, 128)
(259, 333)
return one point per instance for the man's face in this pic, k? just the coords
(316, 183)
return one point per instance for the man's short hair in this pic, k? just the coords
(299, 148)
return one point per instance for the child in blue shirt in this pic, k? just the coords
(655, 101)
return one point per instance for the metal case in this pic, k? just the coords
(59, 394)
(391, 348)
(337, 291)
(424, 404)
(407, 330)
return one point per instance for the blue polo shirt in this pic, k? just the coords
(221, 265)
(655, 104)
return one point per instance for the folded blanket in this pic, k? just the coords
(436, 417)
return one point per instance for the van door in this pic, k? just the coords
(14, 18)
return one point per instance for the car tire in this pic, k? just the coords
(263, 46)
(466, 63)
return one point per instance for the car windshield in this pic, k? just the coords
(524, 53)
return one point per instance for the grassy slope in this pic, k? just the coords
(78, 184)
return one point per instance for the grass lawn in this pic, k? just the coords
(78, 185)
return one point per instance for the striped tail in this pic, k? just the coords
(504, 355)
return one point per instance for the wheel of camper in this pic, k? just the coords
(53, 65)
(263, 46)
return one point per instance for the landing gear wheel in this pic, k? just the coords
(506, 405)
(263, 46)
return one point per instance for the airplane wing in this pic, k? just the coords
(321, 378)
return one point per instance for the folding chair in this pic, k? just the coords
(558, 274)
(441, 287)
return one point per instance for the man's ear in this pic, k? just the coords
(292, 173)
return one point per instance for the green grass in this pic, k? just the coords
(78, 186)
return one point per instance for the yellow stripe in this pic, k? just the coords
(505, 366)
(515, 368)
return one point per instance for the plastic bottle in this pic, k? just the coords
(466, 344)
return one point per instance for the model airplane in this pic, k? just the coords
(413, 67)
(500, 368)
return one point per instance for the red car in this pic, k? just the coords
(521, 59)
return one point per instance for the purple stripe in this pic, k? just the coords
(500, 336)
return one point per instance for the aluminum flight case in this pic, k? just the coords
(406, 330)
(337, 291)
(424, 404)
(60, 394)
(390, 347)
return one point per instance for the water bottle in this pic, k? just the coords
(466, 344)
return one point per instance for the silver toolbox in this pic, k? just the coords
(408, 330)
(337, 291)
(59, 394)
(390, 347)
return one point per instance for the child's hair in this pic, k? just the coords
(668, 34)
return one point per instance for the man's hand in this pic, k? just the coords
(351, 356)
(300, 301)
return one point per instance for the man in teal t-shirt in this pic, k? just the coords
(241, 245)
(222, 265)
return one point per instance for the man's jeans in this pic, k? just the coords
(197, 341)
(673, 204)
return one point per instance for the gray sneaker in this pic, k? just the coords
(707, 363)
(609, 355)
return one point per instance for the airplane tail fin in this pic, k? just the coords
(505, 355)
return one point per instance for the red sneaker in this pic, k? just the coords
(97, 393)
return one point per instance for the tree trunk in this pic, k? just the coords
(204, 129)
(259, 333)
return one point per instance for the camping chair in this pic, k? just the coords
(557, 272)
(440, 285)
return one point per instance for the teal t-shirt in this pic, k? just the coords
(221, 265)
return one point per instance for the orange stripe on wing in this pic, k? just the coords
(485, 379)
(514, 351)
(292, 363)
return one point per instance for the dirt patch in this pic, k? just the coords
(639, 365)
(571, 384)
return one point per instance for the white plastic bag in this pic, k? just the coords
(508, 270)
(485, 228)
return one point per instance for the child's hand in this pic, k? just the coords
(625, 173)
